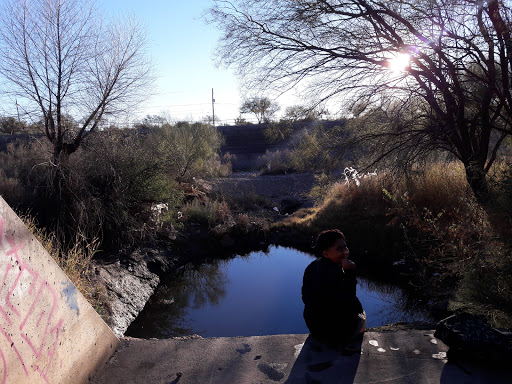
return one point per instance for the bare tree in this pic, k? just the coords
(296, 113)
(261, 107)
(59, 58)
(454, 77)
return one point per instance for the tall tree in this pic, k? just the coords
(261, 107)
(183, 144)
(60, 59)
(448, 62)
(296, 113)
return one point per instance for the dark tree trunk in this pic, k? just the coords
(477, 180)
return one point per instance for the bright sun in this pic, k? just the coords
(399, 63)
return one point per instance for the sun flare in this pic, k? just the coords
(399, 63)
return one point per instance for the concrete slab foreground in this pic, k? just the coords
(49, 333)
(412, 356)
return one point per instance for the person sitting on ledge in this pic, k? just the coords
(333, 313)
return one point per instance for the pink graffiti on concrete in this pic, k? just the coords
(37, 326)
(4, 369)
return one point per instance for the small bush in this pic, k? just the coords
(242, 222)
(188, 147)
(214, 166)
(322, 185)
(322, 147)
(248, 202)
(486, 288)
(278, 132)
(210, 212)
(274, 162)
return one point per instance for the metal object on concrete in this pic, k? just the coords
(49, 332)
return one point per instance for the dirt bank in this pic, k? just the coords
(275, 188)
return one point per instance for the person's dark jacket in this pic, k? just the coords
(330, 303)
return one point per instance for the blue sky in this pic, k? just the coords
(181, 45)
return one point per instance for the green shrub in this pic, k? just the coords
(323, 182)
(104, 190)
(278, 132)
(118, 176)
(214, 166)
(322, 147)
(189, 148)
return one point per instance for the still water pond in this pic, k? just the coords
(257, 294)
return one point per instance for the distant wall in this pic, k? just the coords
(49, 333)
(248, 142)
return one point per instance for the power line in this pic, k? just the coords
(213, 109)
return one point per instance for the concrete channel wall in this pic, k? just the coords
(49, 333)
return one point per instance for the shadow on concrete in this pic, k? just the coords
(460, 371)
(318, 363)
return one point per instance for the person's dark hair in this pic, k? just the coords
(326, 239)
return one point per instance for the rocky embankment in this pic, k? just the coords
(131, 281)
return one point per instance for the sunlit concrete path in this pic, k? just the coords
(406, 356)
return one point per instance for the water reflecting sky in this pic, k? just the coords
(257, 294)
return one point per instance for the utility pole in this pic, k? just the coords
(18, 110)
(213, 109)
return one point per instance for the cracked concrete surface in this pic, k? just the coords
(410, 356)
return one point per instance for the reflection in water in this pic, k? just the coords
(387, 304)
(191, 287)
(257, 294)
(205, 284)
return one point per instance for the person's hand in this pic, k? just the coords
(348, 264)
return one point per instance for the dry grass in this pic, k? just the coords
(209, 212)
(75, 262)
(438, 186)
(243, 221)
(342, 204)
(486, 288)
